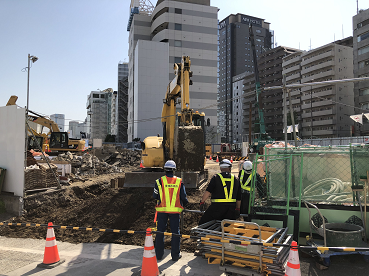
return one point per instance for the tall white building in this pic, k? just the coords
(59, 119)
(163, 34)
(99, 110)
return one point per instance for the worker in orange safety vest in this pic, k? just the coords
(171, 197)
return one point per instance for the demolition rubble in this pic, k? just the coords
(72, 167)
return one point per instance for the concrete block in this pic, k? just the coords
(11, 204)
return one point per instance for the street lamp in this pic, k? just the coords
(33, 59)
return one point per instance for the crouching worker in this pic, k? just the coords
(225, 192)
(171, 197)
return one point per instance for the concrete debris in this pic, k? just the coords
(109, 162)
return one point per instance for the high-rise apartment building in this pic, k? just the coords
(122, 103)
(235, 57)
(99, 109)
(360, 24)
(159, 36)
(122, 70)
(59, 119)
(237, 123)
(326, 109)
(270, 101)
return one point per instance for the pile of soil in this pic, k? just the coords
(97, 205)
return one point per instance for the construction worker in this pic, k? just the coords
(171, 197)
(225, 192)
(246, 177)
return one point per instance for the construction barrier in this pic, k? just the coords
(213, 239)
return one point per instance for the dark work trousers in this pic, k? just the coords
(245, 199)
(219, 211)
(162, 220)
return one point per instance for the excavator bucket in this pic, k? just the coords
(190, 148)
(12, 100)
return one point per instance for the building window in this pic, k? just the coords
(177, 60)
(178, 11)
(177, 43)
(362, 37)
(363, 50)
(178, 27)
(95, 96)
(363, 92)
(363, 63)
(102, 96)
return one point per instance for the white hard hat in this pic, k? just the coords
(225, 163)
(170, 164)
(247, 166)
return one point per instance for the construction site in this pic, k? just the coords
(311, 200)
(99, 192)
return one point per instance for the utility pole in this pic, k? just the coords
(292, 117)
(284, 111)
(250, 124)
(311, 110)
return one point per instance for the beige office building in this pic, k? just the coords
(168, 31)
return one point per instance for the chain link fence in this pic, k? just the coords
(322, 175)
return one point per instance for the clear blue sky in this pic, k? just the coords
(80, 42)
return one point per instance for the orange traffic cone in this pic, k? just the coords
(149, 263)
(217, 159)
(211, 158)
(231, 159)
(51, 255)
(293, 263)
(141, 165)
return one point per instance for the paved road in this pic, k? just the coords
(21, 257)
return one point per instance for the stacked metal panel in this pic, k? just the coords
(267, 260)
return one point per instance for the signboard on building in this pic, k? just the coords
(250, 20)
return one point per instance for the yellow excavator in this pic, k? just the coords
(54, 140)
(183, 136)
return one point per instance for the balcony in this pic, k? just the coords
(295, 59)
(318, 76)
(309, 87)
(319, 123)
(316, 104)
(293, 77)
(317, 67)
(318, 113)
(318, 57)
(295, 101)
(291, 69)
(319, 94)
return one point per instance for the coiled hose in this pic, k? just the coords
(328, 189)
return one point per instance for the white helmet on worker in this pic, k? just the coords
(247, 166)
(170, 165)
(225, 163)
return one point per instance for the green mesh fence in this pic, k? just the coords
(359, 157)
(315, 174)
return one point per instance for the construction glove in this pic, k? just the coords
(237, 213)
(202, 206)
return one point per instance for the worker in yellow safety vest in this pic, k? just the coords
(246, 176)
(171, 197)
(225, 191)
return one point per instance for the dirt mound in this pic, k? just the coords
(97, 206)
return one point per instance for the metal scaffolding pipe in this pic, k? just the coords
(316, 83)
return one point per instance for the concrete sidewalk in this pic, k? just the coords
(21, 257)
